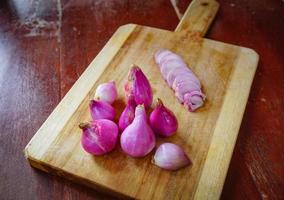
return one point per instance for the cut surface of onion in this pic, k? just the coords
(180, 78)
(168, 65)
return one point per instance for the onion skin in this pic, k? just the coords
(138, 139)
(170, 156)
(101, 110)
(163, 121)
(106, 92)
(128, 114)
(139, 87)
(99, 136)
(181, 79)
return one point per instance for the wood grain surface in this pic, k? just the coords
(39, 65)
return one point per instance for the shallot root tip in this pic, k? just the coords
(159, 102)
(84, 125)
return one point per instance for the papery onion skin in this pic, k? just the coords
(128, 114)
(99, 136)
(106, 92)
(180, 78)
(170, 156)
(138, 139)
(101, 110)
(138, 86)
(163, 121)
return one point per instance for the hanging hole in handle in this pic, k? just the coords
(205, 4)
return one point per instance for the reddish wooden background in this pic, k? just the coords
(43, 51)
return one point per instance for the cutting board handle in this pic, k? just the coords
(198, 16)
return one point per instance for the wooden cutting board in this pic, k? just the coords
(207, 135)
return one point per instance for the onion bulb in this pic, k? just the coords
(99, 136)
(138, 139)
(171, 157)
(163, 121)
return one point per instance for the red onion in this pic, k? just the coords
(106, 92)
(171, 157)
(99, 136)
(101, 110)
(139, 87)
(127, 115)
(138, 139)
(179, 77)
(163, 121)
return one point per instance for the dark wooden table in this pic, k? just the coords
(46, 44)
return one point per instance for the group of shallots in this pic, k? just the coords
(138, 132)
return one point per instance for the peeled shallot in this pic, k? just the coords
(106, 92)
(180, 78)
(170, 156)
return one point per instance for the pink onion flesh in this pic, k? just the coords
(180, 78)
(160, 54)
(169, 65)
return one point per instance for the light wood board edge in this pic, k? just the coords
(198, 16)
(71, 101)
(227, 127)
(75, 179)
